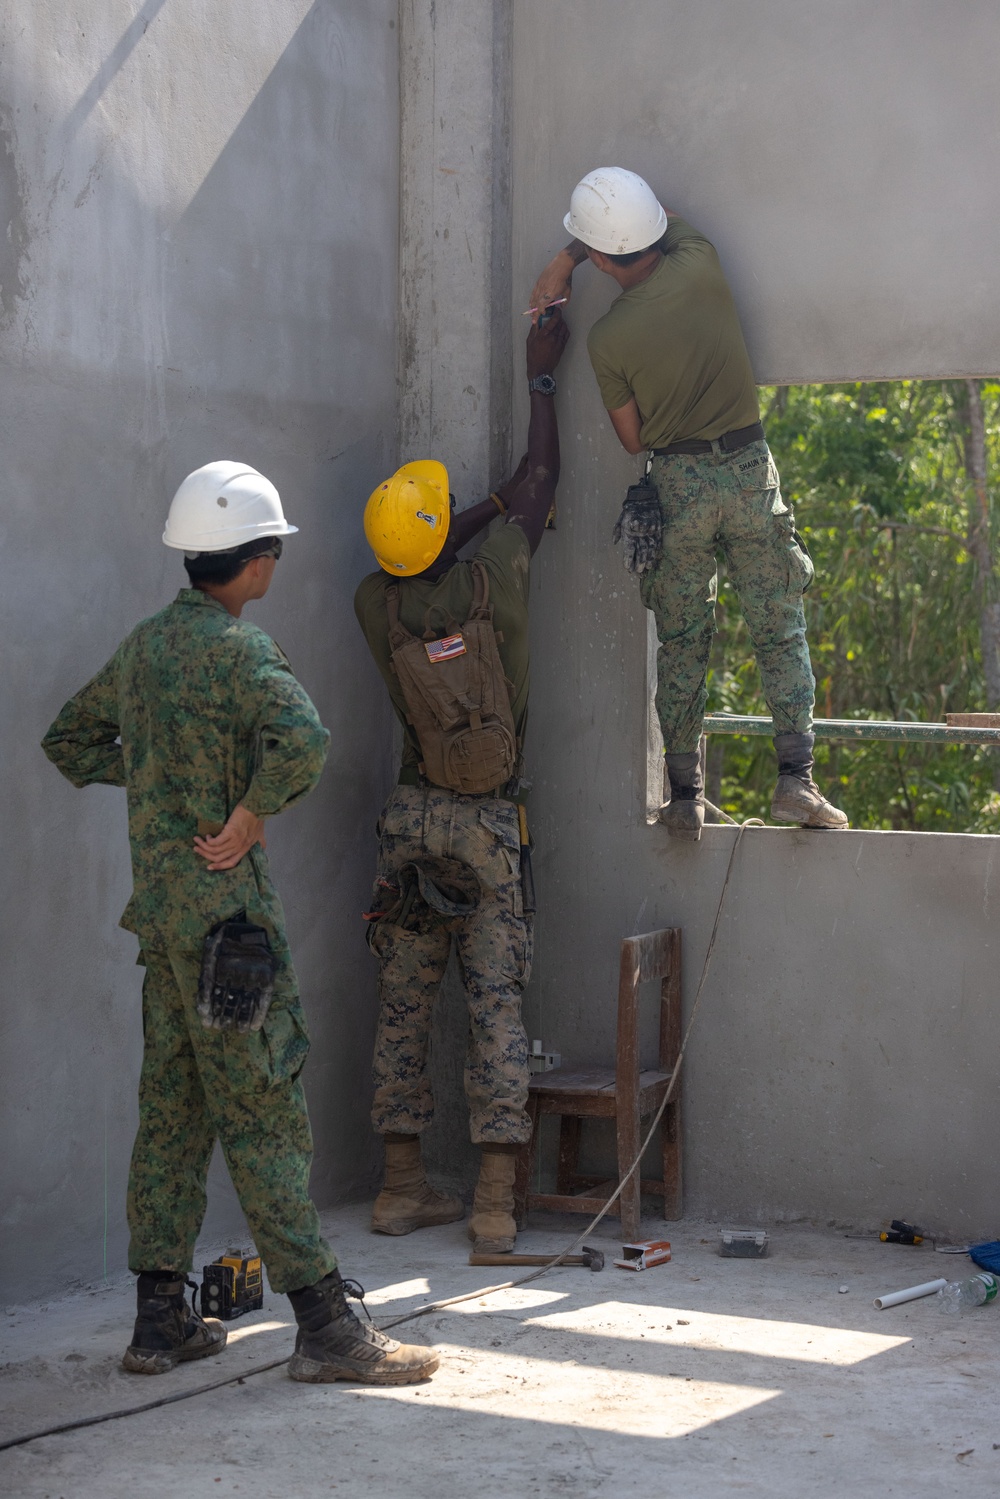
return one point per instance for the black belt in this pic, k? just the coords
(729, 442)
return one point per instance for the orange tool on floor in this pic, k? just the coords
(644, 1255)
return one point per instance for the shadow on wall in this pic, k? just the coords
(112, 66)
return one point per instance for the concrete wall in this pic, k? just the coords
(455, 337)
(455, 232)
(842, 1065)
(841, 158)
(198, 259)
(840, 155)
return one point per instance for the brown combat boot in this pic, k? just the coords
(332, 1343)
(797, 798)
(492, 1228)
(407, 1200)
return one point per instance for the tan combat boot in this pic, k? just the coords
(492, 1228)
(332, 1343)
(797, 798)
(407, 1200)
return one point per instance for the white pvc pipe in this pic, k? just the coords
(895, 1298)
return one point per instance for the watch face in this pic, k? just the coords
(544, 383)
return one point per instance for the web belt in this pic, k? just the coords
(729, 442)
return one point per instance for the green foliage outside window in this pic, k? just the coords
(883, 480)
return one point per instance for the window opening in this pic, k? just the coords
(893, 484)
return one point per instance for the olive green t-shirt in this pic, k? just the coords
(444, 606)
(674, 342)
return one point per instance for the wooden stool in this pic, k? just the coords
(622, 1093)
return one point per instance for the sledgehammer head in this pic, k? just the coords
(590, 1258)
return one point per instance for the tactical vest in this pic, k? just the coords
(457, 697)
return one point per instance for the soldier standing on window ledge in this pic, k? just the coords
(676, 381)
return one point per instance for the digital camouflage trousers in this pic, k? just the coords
(732, 502)
(471, 846)
(200, 1085)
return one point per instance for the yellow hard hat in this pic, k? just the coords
(407, 518)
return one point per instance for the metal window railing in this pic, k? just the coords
(858, 728)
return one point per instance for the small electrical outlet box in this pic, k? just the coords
(543, 1061)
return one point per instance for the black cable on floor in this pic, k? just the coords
(149, 1405)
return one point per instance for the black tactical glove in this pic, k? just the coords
(237, 977)
(641, 525)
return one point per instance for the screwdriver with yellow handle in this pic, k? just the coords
(899, 1232)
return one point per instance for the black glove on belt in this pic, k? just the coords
(641, 526)
(237, 977)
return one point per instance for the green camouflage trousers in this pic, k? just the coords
(493, 945)
(732, 501)
(198, 1085)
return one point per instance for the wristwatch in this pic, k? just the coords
(545, 384)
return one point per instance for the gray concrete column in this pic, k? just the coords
(454, 274)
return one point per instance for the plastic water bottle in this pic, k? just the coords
(962, 1295)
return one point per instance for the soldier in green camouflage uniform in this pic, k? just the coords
(449, 864)
(199, 717)
(677, 383)
(730, 501)
(208, 715)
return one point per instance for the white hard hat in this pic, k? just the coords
(615, 211)
(222, 506)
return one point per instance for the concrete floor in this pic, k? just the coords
(701, 1377)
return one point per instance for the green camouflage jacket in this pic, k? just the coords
(195, 712)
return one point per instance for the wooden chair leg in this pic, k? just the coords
(670, 1043)
(673, 1183)
(524, 1163)
(570, 1127)
(628, 1149)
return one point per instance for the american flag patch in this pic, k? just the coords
(443, 650)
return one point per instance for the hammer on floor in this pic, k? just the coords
(592, 1258)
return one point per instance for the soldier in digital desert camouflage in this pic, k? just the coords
(450, 639)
